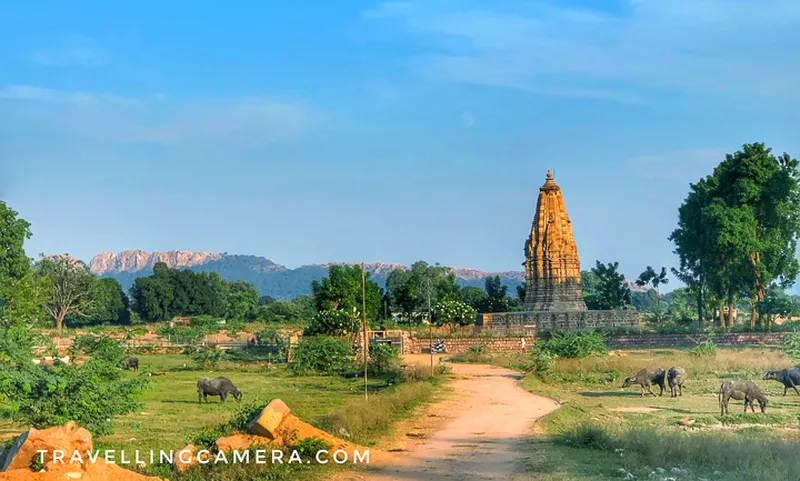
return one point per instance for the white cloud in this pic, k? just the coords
(721, 46)
(154, 119)
(39, 94)
(74, 50)
(683, 165)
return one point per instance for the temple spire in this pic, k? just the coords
(552, 267)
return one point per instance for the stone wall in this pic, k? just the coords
(493, 345)
(535, 322)
(646, 341)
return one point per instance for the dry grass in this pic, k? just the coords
(607, 428)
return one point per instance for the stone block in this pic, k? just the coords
(268, 421)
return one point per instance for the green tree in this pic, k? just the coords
(151, 298)
(242, 300)
(342, 291)
(474, 297)
(496, 300)
(17, 289)
(738, 227)
(408, 288)
(612, 291)
(68, 285)
(778, 303)
(108, 304)
(521, 292)
(649, 277)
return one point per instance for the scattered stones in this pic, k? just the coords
(267, 423)
(67, 438)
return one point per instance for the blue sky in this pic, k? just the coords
(366, 131)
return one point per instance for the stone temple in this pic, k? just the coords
(553, 297)
(552, 267)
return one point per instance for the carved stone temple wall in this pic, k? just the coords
(552, 267)
(553, 297)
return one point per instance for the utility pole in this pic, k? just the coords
(364, 323)
(430, 319)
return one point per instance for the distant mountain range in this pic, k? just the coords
(269, 277)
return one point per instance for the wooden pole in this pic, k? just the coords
(430, 319)
(364, 323)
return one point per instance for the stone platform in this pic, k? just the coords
(535, 322)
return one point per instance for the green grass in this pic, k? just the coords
(595, 433)
(172, 415)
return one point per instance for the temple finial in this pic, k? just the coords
(549, 175)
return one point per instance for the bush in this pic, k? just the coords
(791, 344)
(99, 348)
(91, 394)
(383, 359)
(543, 363)
(321, 355)
(573, 345)
(309, 447)
(704, 348)
(476, 353)
(207, 357)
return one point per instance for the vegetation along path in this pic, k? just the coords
(485, 419)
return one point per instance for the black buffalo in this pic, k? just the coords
(217, 386)
(131, 363)
(790, 378)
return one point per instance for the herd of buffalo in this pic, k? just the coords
(214, 386)
(746, 391)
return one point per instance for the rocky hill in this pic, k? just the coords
(269, 277)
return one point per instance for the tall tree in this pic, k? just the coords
(341, 291)
(611, 291)
(496, 300)
(242, 300)
(16, 283)
(109, 303)
(649, 277)
(68, 284)
(408, 288)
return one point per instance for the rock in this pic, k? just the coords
(343, 433)
(98, 471)
(180, 465)
(267, 423)
(67, 438)
(660, 470)
(241, 442)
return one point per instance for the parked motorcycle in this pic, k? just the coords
(438, 347)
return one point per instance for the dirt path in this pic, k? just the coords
(478, 433)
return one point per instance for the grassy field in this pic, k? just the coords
(604, 431)
(172, 414)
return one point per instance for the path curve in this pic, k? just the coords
(487, 417)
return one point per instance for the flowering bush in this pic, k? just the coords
(333, 322)
(453, 312)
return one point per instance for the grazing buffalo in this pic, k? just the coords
(790, 378)
(741, 390)
(675, 377)
(647, 378)
(217, 386)
(131, 363)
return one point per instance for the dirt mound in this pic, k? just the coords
(70, 440)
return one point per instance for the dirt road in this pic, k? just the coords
(477, 435)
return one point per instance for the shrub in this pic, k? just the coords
(99, 348)
(321, 355)
(573, 345)
(332, 322)
(543, 363)
(704, 348)
(207, 357)
(791, 344)
(91, 394)
(476, 353)
(383, 359)
(309, 447)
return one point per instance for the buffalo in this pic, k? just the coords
(646, 378)
(131, 363)
(217, 386)
(790, 378)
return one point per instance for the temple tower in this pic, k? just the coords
(552, 268)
